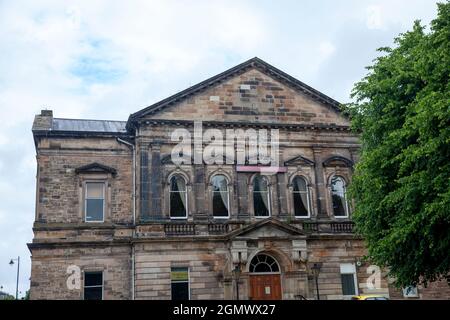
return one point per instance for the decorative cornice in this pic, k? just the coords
(244, 125)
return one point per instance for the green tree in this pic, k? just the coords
(401, 185)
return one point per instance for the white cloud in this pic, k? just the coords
(326, 49)
(374, 19)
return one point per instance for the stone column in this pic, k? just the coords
(282, 198)
(144, 185)
(242, 196)
(320, 184)
(156, 184)
(199, 192)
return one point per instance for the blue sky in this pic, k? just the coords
(107, 59)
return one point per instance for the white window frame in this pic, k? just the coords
(188, 281)
(185, 194)
(86, 199)
(308, 199)
(228, 199)
(102, 285)
(346, 208)
(350, 268)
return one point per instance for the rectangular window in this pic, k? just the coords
(348, 284)
(95, 201)
(180, 283)
(93, 285)
(348, 279)
(410, 292)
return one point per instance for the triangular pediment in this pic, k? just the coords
(96, 168)
(299, 161)
(267, 228)
(253, 92)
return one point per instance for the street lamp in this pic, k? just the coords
(316, 269)
(236, 276)
(11, 263)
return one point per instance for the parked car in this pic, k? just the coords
(370, 297)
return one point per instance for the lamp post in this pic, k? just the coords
(11, 263)
(236, 276)
(316, 269)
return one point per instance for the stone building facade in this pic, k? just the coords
(117, 218)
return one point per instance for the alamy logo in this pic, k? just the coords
(241, 147)
(74, 279)
(374, 280)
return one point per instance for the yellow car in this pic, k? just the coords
(369, 297)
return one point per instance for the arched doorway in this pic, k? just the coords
(265, 280)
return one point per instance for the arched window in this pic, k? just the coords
(263, 263)
(178, 198)
(338, 195)
(300, 194)
(220, 197)
(261, 198)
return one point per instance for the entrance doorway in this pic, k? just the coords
(265, 280)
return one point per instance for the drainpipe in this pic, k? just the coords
(134, 176)
(134, 216)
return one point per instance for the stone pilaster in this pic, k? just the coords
(156, 185)
(242, 195)
(282, 197)
(144, 184)
(320, 184)
(200, 192)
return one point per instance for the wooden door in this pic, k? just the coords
(265, 287)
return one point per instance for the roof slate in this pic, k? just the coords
(82, 125)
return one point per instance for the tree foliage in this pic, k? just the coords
(401, 184)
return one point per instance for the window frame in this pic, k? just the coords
(407, 296)
(346, 206)
(308, 198)
(185, 194)
(228, 197)
(269, 198)
(85, 196)
(188, 281)
(263, 273)
(102, 285)
(342, 268)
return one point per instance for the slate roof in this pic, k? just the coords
(82, 125)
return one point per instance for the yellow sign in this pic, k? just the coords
(179, 274)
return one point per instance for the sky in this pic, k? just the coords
(107, 59)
